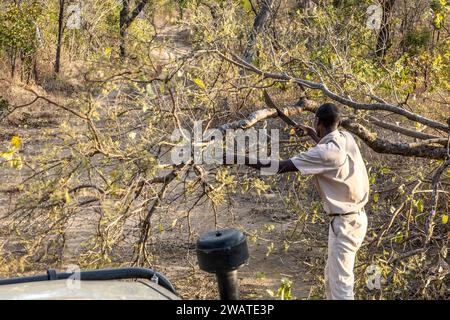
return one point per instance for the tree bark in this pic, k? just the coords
(60, 34)
(384, 36)
(123, 29)
(126, 19)
(370, 138)
(379, 106)
(258, 24)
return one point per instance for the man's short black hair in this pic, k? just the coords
(328, 115)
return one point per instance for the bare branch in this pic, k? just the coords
(422, 150)
(402, 130)
(257, 116)
(434, 201)
(345, 101)
(385, 146)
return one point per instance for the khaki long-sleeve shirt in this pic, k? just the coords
(339, 172)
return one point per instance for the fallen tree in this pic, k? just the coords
(430, 146)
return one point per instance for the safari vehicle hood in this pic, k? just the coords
(86, 290)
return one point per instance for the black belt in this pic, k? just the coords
(342, 214)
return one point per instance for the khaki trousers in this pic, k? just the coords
(345, 236)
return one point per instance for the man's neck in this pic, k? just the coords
(327, 132)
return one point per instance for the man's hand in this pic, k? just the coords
(310, 132)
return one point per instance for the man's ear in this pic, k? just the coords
(317, 121)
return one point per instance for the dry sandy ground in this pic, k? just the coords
(175, 254)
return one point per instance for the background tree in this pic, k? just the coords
(384, 35)
(127, 17)
(18, 36)
(60, 35)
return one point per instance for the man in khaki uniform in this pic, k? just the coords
(340, 176)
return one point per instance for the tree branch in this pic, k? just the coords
(257, 116)
(402, 130)
(385, 146)
(434, 201)
(345, 101)
(422, 150)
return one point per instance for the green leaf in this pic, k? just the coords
(419, 205)
(270, 249)
(385, 170)
(246, 5)
(398, 237)
(286, 246)
(67, 197)
(200, 83)
(376, 197)
(372, 178)
(437, 21)
(17, 163)
(16, 142)
(7, 155)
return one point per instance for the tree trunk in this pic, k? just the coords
(384, 39)
(60, 34)
(126, 18)
(123, 28)
(13, 55)
(258, 24)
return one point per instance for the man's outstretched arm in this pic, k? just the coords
(281, 165)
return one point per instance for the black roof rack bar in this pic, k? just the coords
(100, 274)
